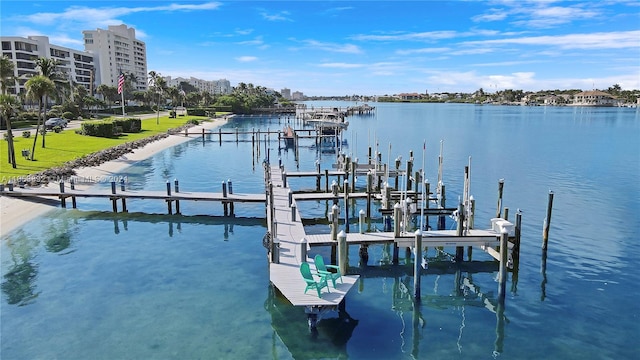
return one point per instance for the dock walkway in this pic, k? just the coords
(285, 275)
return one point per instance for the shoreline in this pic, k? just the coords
(16, 212)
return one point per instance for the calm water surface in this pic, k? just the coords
(88, 284)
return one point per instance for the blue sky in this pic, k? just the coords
(364, 47)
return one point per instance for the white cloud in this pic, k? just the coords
(541, 14)
(280, 16)
(257, 41)
(246, 58)
(431, 50)
(331, 47)
(109, 15)
(493, 15)
(602, 40)
(341, 65)
(404, 36)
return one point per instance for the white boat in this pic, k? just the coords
(330, 120)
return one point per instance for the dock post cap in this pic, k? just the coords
(361, 212)
(418, 232)
(397, 205)
(342, 234)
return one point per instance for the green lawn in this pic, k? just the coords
(67, 145)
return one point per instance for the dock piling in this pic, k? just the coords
(460, 231)
(114, 200)
(502, 274)
(293, 212)
(169, 209)
(343, 253)
(417, 264)
(73, 187)
(547, 222)
(176, 188)
(303, 250)
(334, 222)
(63, 201)
(346, 206)
(275, 250)
(500, 189)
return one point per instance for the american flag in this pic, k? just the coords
(120, 83)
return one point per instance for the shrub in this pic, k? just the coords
(28, 116)
(130, 125)
(57, 129)
(98, 128)
(68, 115)
(26, 134)
(193, 121)
(172, 114)
(6, 136)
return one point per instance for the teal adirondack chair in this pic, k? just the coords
(311, 282)
(324, 270)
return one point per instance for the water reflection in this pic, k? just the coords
(329, 340)
(19, 281)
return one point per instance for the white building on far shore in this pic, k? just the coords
(221, 87)
(594, 98)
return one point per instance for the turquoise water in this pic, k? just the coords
(89, 284)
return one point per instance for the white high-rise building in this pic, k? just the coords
(219, 87)
(117, 51)
(74, 65)
(286, 93)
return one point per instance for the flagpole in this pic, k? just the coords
(122, 101)
(121, 91)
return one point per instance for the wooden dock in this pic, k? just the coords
(447, 238)
(119, 193)
(285, 272)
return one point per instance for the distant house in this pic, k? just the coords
(409, 96)
(593, 98)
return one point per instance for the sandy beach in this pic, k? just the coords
(15, 212)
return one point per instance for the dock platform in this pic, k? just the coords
(285, 274)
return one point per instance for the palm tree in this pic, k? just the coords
(8, 106)
(7, 76)
(49, 69)
(38, 87)
(158, 85)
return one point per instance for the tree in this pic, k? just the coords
(614, 90)
(9, 104)
(174, 95)
(158, 85)
(7, 76)
(109, 93)
(49, 69)
(38, 88)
